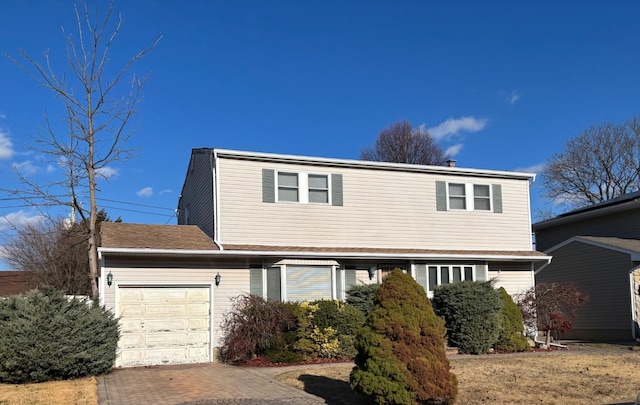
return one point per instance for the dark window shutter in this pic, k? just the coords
(336, 189)
(497, 198)
(441, 196)
(268, 186)
(273, 284)
(255, 281)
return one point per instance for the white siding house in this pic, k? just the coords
(297, 228)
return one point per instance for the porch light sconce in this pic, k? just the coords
(109, 279)
(372, 272)
(218, 279)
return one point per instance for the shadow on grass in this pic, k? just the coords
(334, 392)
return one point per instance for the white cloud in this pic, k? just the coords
(50, 169)
(166, 191)
(512, 98)
(537, 168)
(19, 218)
(6, 146)
(106, 172)
(452, 127)
(453, 150)
(25, 168)
(145, 192)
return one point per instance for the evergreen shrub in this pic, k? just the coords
(472, 312)
(511, 338)
(361, 296)
(401, 354)
(46, 336)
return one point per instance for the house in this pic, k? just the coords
(598, 249)
(15, 282)
(296, 228)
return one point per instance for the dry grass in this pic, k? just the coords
(82, 391)
(560, 378)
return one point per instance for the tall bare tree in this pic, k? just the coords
(601, 163)
(99, 102)
(401, 143)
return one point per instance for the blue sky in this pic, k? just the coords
(502, 84)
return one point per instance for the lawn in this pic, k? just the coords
(82, 391)
(558, 378)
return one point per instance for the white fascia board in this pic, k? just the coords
(302, 254)
(374, 165)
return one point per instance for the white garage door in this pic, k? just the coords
(163, 325)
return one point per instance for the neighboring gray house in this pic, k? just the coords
(297, 228)
(598, 248)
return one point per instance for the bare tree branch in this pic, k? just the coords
(400, 143)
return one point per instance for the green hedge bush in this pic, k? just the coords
(511, 337)
(361, 296)
(401, 354)
(46, 336)
(472, 312)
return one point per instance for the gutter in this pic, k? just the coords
(544, 265)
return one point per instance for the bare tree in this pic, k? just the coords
(53, 253)
(401, 143)
(99, 103)
(601, 163)
(551, 307)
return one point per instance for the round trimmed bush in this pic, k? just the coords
(401, 354)
(472, 313)
(46, 336)
(362, 296)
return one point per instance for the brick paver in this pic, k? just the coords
(197, 384)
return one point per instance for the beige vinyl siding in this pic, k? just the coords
(514, 277)
(604, 275)
(381, 209)
(622, 224)
(149, 272)
(197, 193)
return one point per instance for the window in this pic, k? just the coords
(288, 187)
(481, 197)
(457, 196)
(431, 276)
(468, 197)
(318, 188)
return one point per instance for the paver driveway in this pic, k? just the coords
(198, 384)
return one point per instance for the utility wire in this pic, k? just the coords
(138, 211)
(139, 205)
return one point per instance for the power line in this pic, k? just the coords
(138, 211)
(139, 205)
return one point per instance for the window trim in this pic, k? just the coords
(469, 197)
(450, 265)
(303, 188)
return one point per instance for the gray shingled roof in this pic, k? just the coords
(627, 244)
(142, 236)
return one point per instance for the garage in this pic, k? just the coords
(163, 325)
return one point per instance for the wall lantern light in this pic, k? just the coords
(218, 279)
(109, 279)
(372, 272)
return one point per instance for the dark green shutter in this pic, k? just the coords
(441, 196)
(268, 186)
(336, 189)
(497, 198)
(255, 280)
(273, 284)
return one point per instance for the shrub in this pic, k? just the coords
(471, 311)
(253, 326)
(362, 296)
(328, 328)
(45, 336)
(511, 337)
(401, 357)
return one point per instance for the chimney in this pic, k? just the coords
(451, 163)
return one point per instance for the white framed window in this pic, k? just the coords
(429, 276)
(457, 196)
(288, 187)
(481, 197)
(318, 188)
(469, 197)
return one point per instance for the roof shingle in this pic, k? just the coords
(143, 236)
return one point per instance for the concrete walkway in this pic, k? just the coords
(197, 384)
